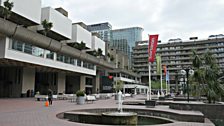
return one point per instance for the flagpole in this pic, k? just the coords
(166, 88)
(161, 82)
(149, 97)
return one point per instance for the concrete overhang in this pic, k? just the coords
(117, 70)
(13, 30)
(18, 19)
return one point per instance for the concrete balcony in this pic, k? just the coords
(62, 26)
(80, 34)
(98, 43)
(24, 12)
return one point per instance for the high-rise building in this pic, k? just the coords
(131, 35)
(175, 56)
(103, 29)
(121, 45)
(124, 39)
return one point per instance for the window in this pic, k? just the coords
(49, 54)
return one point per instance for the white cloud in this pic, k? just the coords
(169, 18)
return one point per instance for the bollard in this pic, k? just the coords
(46, 103)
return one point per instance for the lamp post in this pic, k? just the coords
(187, 72)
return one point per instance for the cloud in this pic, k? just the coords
(169, 18)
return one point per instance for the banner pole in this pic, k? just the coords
(150, 86)
(161, 79)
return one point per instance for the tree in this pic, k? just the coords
(99, 52)
(94, 53)
(7, 7)
(118, 85)
(47, 26)
(157, 84)
(79, 46)
(207, 74)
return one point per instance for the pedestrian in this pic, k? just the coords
(50, 96)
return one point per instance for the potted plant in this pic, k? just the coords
(80, 97)
(118, 86)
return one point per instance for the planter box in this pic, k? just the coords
(150, 103)
(161, 98)
(80, 100)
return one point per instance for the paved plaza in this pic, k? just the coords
(29, 112)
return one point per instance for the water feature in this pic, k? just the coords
(120, 117)
(112, 116)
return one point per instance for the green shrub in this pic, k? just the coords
(80, 93)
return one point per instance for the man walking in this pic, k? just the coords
(50, 96)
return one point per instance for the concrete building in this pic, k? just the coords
(30, 61)
(175, 56)
(132, 81)
(119, 58)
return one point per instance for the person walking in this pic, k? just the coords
(50, 96)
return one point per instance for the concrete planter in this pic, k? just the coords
(150, 103)
(116, 97)
(80, 100)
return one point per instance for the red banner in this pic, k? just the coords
(153, 40)
(164, 69)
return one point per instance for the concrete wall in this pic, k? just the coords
(2, 47)
(98, 43)
(30, 9)
(97, 83)
(28, 79)
(82, 82)
(61, 24)
(79, 34)
(212, 111)
(61, 82)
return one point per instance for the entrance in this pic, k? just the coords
(45, 81)
(72, 84)
(10, 82)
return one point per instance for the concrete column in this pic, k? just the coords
(61, 83)
(135, 91)
(2, 47)
(82, 82)
(97, 83)
(28, 79)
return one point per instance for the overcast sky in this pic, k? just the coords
(168, 18)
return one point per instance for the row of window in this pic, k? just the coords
(36, 51)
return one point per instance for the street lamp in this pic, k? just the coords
(187, 72)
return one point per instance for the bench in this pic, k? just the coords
(90, 98)
(71, 97)
(41, 97)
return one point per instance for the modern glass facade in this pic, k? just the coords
(130, 34)
(124, 39)
(121, 45)
(103, 29)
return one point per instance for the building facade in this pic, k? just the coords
(33, 62)
(124, 39)
(131, 35)
(119, 58)
(121, 45)
(103, 29)
(175, 56)
(132, 81)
